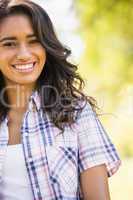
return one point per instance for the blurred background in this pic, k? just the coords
(100, 35)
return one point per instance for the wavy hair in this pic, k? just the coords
(59, 85)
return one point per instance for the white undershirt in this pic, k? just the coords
(15, 184)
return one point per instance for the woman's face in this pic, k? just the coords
(22, 57)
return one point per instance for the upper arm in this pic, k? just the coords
(94, 183)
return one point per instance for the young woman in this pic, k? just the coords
(52, 144)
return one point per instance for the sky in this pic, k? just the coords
(63, 16)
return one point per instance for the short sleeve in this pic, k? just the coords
(94, 145)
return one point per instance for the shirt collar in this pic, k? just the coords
(35, 101)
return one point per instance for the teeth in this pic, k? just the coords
(27, 66)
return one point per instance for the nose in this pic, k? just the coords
(24, 53)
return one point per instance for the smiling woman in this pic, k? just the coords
(49, 130)
(22, 55)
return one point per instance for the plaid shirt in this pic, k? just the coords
(53, 160)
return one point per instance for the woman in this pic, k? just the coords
(52, 144)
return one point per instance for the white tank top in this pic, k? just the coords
(15, 184)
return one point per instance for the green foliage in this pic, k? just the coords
(106, 30)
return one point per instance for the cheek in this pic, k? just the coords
(3, 62)
(5, 58)
(40, 53)
(42, 56)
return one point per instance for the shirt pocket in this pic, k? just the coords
(62, 163)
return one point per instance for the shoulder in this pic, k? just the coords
(86, 113)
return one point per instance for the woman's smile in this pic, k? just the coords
(25, 67)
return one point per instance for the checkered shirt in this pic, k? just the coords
(54, 160)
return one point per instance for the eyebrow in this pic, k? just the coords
(14, 38)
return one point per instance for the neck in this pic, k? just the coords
(18, 97)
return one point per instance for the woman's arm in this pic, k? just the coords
(94, 183)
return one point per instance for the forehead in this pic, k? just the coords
(16, 24)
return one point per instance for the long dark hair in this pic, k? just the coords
(62, 86)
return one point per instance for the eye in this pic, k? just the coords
(9, 44)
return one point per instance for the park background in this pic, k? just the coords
(100, 35)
